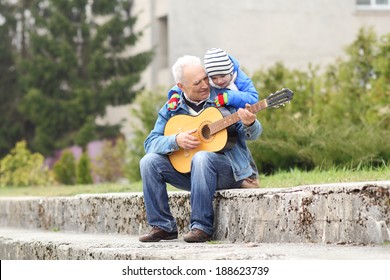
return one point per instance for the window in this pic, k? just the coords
(162, 52)
(373, 4)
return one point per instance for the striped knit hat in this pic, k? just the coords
(217, 62)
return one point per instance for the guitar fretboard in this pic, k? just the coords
(233, 118)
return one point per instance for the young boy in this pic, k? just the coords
(225, 74)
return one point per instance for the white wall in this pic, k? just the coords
(258, 33)
(261, 32)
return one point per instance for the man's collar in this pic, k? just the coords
(195, 102)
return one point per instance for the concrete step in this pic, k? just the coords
(343, 213)
(33, 244)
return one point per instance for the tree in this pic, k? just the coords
(78, 65)
(349, 80)
(144, 114)
(83, 170)
(11, 129)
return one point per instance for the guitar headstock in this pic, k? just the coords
(279, 98)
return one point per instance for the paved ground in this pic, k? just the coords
(32, 244)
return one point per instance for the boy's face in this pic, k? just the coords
(222, 81)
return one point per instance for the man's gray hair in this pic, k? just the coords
(181, 62)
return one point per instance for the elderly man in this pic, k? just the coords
(209, 171)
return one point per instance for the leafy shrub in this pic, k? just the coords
(300, 144)
(83, 172)
(65, 169)
(23, 168)
(148, 105)
(109, 166)
(340, 118)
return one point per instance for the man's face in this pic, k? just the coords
(196, 83)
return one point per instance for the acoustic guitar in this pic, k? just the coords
(214, 128)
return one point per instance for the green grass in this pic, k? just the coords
(280, 180)
(297, 178)
(69, 190)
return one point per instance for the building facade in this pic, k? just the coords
(258, 33)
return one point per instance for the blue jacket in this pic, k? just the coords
(239, 156)
(246, 92)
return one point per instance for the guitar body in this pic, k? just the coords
(224, 139)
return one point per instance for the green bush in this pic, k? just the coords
(83, 172)
(148, 105)
(23, 168)
(338, 119)
(65, 169)
(293, 143)
(109, 166)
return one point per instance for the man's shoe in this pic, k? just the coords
(157, 234)
(196, 235)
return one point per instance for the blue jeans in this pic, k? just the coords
(209, 172)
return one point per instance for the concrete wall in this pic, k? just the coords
(339, 213)
(261, 32)
(257, 32)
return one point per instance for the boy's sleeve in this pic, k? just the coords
(173, 90)
(246, 92)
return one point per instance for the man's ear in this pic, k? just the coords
(180, 85)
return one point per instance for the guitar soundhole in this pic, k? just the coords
(206, 132)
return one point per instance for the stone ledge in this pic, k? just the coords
(344, 213)
(21, 244)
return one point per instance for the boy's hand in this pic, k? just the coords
(221, 99)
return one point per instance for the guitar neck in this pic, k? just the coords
(233, 118)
